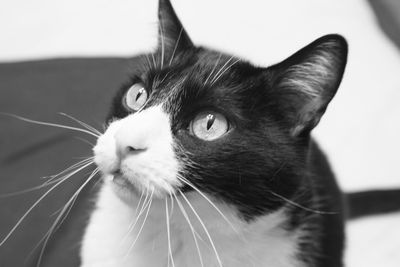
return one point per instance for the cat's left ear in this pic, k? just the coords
(308, 80)
(172, 37)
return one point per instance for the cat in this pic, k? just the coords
(207, 160)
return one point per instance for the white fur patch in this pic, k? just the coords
(108, 240)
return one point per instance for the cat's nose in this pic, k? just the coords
(143, 131)
(126, 150)
(128, 144)
(135, 135)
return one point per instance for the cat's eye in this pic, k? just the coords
(135, 97)
(209, 125)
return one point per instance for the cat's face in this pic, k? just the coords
(197, 119)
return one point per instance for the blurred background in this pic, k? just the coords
(360, 131)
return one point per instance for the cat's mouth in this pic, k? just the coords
(122, 182)
(122, 186)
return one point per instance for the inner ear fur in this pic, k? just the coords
(172, 37)
(308, 80)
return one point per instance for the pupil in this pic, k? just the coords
(210, 121)
(140, 92)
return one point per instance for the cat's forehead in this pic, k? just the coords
(203, 64)
(198, 75)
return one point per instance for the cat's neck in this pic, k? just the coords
(108, 240)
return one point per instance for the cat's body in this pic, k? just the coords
(208, 161)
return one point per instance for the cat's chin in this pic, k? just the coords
(129, 191)
(123, 184)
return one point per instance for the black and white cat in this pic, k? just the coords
(208, 161)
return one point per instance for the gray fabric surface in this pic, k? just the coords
(39, 90)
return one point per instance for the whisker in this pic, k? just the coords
(208, 200)
(230, 66)
(204, 227)
(144, 221)
(56, 213)
(39, 200)
(171, 211)
(145, 204)
(81, 163)
(182, 208)
(148, 62)
(85, 141)
(165, 76)
(94, 172)
(162, 44)
(213, 69)
(137, 215)
(169, 232)
(137, 206)
(194, 233)
(176, 46)
(143, 106)
(41, 240)
(290, 202)
(154, 61)
(50, 124)
(84, 124)
(63, 215)
(95, 184)
(221, 69)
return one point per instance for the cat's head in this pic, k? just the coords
(198, 119)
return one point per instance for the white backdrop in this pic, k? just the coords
(361, 130)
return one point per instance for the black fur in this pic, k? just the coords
(267, 159)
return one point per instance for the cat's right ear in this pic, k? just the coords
(172, 37)
(307, 81)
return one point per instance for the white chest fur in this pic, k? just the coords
(108, 240)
